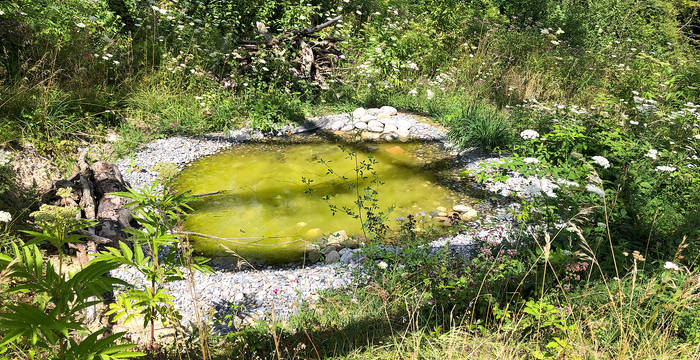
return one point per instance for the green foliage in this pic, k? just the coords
(273, 108)
(50, 324)
(157, 211)
(481, 126)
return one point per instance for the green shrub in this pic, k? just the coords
(275, 108)
(480, 126)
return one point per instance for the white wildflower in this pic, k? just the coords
(671, 266)
(5, 217)
(634, 122)
(665, 168)
(413, 92)
(601, 161)
(80, 25)
(559, 31)
(567, 182)
(595, 190)
(529, 134)
(531, 160)
(429, 94)
(382, 265)
(652, 154)
(4, 158)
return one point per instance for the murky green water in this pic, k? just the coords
(263, 194)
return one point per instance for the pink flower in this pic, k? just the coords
(172, 124)
(275, 291)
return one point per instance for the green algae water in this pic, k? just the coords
(265, 212)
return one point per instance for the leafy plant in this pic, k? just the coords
(50, 324)
(154, 255)
(481, 126)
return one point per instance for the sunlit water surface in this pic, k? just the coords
(265, 208)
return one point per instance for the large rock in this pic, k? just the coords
(389, 128)
(337, 125)
(329, 249)
(388, 110)
(367, 118)
(373, 111)
(312, 254)
(403, 124)
(461, 208)
(368, 135)
(469, 215)
(358, 113)
(337, 238)
(403, 133)
(332, 257)
(375, 126)
(360, 125)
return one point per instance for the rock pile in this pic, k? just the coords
(383, 120)
(459, 212)
(339, 247)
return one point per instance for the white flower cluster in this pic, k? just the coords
(601, 161)
(529, 134)
(4, 158)
(531, 160)
(595, 190)
(5, 217)
(671, 266)
(665, 168)
(652, 154)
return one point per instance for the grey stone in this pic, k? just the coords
(347, 257)
(337, 125)
(461, 208)
(332, 257)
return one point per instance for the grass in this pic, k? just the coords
(646, 314)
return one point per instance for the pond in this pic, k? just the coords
(265, 212)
